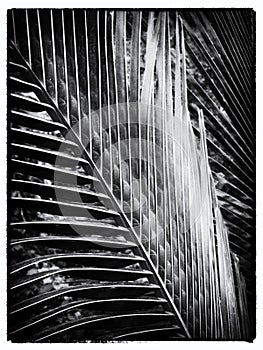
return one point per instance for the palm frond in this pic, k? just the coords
(76, 272)
(157, 98)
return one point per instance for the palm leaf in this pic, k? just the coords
(84, 269)
(157, 98)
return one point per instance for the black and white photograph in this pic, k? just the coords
(131, 175)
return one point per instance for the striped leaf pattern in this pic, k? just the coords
(77, 270)
(162, 102)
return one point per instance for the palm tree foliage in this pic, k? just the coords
(78, 271)
(161, 106)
